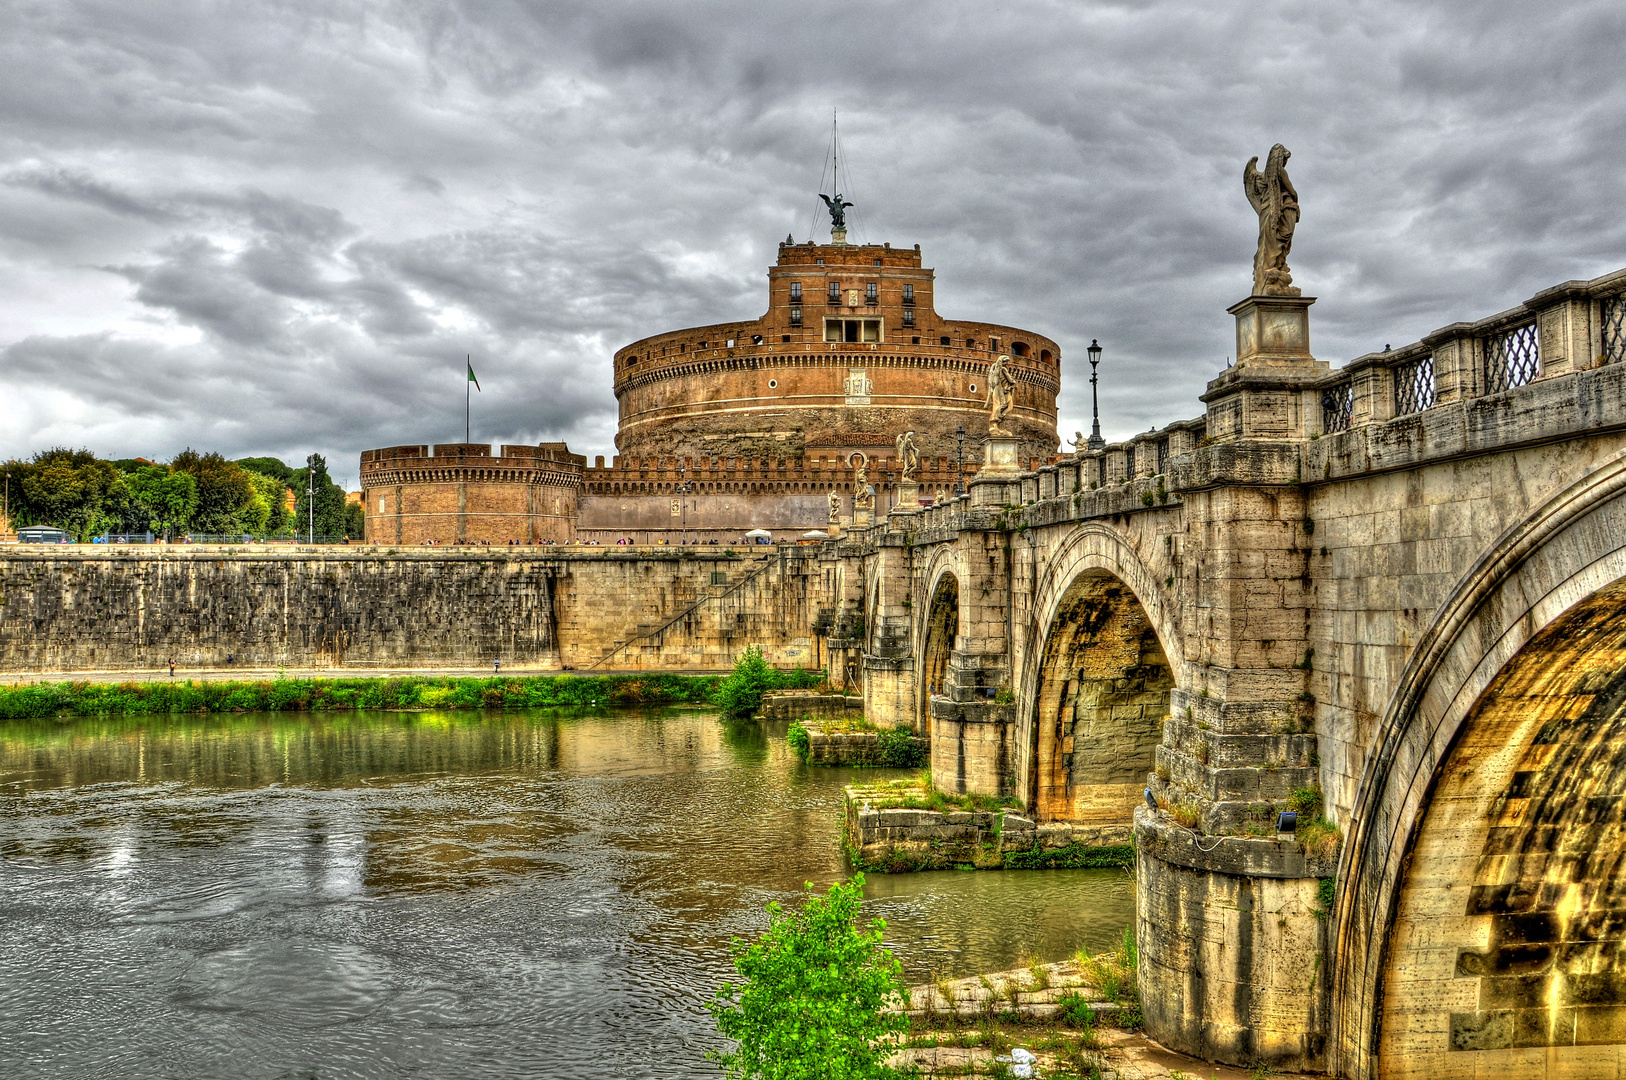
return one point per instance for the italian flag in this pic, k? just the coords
(472, 379)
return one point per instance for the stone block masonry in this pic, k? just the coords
(77, 609)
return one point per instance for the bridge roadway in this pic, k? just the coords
(1389, 594)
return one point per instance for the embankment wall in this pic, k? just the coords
(617, 609)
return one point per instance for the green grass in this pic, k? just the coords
(322, 695)
(1072, 857)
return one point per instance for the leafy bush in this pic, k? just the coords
(810, 1006)
(1074, 1011)
(901, 748)
(740, 694)
(799, 743)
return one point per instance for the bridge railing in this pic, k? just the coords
(1570, 327)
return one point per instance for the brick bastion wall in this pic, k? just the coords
(461, 494)
(605, 609)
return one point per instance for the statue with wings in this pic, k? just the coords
(1277, 204)
(1001, 394)
(838, 211)
(908, 456)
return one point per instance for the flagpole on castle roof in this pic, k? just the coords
(468, 396)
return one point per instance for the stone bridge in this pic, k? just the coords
(1389, 593)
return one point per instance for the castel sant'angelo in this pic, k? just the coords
(773, 423)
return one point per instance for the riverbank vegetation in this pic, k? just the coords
(320, 695)
(899, 748)
(740, 694)
(69, 699)
(813, 992)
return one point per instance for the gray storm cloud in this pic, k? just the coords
(275, 228)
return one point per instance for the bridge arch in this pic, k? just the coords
(1096, 680)
(938, 629)
(1481, 907)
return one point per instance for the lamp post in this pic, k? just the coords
(959, 454)
(683, 489)
(310, 501)
(1096, 442)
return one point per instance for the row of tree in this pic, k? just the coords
(87, 496)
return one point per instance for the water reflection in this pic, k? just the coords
(513, 894)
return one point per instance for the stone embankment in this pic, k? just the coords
(901, 826)
(1058, 1012)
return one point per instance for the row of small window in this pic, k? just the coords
(872, 293)
(796, 317)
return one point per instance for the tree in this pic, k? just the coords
(268, 466)
(161, 499)
(355, 521)
(69, 489)
(815, 986)
(224, 491)
(329, 500)
(267, 513)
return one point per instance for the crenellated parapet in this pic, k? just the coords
(460, 493)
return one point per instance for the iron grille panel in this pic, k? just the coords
(1337, 408)
(1129, 462)
(1612, 316)
(1512, 358)
(1162, 457)
(1414, 386)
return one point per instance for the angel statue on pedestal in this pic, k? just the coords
(908, 456)
(1001, 394)
(1277, 204)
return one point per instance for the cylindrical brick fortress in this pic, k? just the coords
(460, 494)
(850, 354)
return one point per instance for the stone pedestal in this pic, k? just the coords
(1272, 330)
(838, 237)
(999, 456)
(908, 495)
(1273, 392)
(863, 517)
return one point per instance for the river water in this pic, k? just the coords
(515, 894)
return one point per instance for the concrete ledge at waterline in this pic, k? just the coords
(806, 704)
(889, 828)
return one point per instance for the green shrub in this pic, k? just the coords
(740, 694)
(810, 1005)
(900, 749)
(1074, 1011)
(799, 743)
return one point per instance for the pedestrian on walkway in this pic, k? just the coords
(172, 667)
(496, 663)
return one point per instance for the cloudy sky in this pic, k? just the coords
(270, 228)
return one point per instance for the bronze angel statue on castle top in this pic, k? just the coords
(838, 210)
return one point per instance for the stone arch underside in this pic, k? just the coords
(1508, 951)
(942, 626)
(1548, 573)
(1099, 701)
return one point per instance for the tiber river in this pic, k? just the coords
(515, 894)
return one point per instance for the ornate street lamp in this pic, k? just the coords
(959, 453)
(1096, 441)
